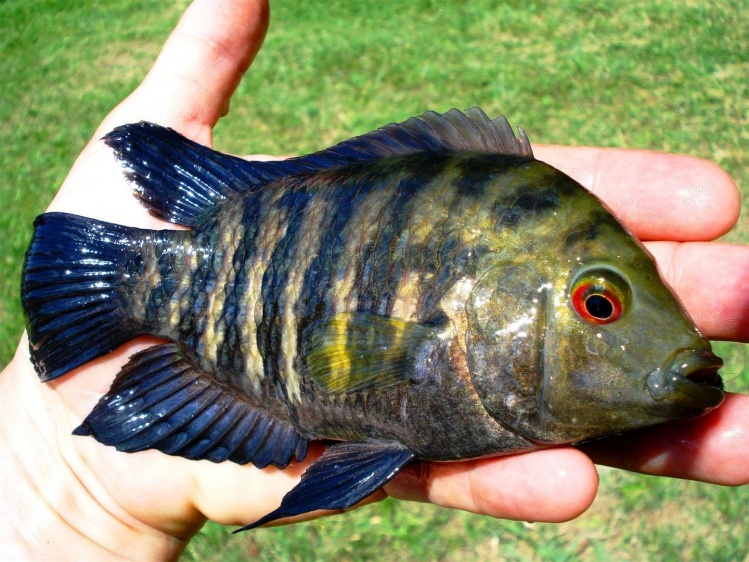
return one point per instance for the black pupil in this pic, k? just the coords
(599, 307)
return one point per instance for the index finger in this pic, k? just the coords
(711, 448)
(201, 64)
(658, 196)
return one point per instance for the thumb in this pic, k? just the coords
(200, 66)
(187, 89)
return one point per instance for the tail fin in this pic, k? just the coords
(73, 291)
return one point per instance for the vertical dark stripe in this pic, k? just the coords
(231, 354)
(210, 255)
(381, 269)
(316, 298)
(270, 332)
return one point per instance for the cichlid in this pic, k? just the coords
(425, 291)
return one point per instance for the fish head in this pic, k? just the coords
(585, 340)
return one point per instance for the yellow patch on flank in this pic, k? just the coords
(429, 216)
(407, 297)
(271, 229)
(313, 224)
(363, 226)
(231, 233)
(453, 303)
(184, 284)
(148, 281)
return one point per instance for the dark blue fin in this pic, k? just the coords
(178, 179)
(453, 131)
(175, 177)
(344, 475)
(359, 351)
(160, 401)
(75, 307)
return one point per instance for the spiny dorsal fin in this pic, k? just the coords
(178, 179)
(453, 131)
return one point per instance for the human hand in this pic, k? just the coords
(93, 501)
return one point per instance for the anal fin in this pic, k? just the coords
(160, 401)
(344, 475)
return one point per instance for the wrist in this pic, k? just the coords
(53, 505)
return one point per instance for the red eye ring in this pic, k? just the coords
(596, 302)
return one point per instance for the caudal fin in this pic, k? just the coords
(73, 291)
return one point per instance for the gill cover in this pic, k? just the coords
(506, 314)
(536, 363)
(605, 359)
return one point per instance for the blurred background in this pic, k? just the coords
(651, 74)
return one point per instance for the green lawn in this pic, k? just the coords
(661, 75)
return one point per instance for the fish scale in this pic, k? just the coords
(425, 291)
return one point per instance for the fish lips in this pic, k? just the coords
(689, 380)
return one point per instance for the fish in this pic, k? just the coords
(428, 291)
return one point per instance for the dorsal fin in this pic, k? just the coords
(178, 179)
(453, 131)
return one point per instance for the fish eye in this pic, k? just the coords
(599, 297)
(600, 306)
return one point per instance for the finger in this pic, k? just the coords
(222, 491)
(712, 448)
(712, 281)
(658, 196)
(200, 66)
(188, 89)
(553, 485)
(233, 494)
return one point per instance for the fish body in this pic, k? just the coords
(426, 291)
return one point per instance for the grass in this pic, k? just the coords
(661, 75)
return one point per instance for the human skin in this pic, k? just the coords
(70, 497)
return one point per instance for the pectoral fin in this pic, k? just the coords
(358, 351)
(344, 475)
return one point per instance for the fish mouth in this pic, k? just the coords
(690, 379)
